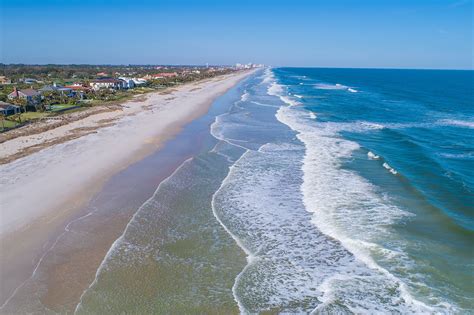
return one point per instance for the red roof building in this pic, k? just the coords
(165, 75)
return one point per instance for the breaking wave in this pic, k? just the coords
(344, 205)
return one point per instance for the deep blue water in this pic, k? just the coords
(413, 136)
(423, 125)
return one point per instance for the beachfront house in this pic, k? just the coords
(107, 83)
(79, 89)
(5, 80)
(66, 91)
(32, 97)
(77, 86)
(7, 109)
(129, 83)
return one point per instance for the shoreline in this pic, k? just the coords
(40, 234)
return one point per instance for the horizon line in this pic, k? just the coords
(227, 65)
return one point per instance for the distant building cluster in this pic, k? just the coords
(239, 66)
(33, 97)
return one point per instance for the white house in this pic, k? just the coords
(108, 83)
(129, 83)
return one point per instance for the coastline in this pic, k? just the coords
(59, 187)
(50, 131)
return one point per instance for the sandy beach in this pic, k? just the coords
(49, 177)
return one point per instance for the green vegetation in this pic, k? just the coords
(7, 124)
(61, 107)
(32, 116)
(16, 120)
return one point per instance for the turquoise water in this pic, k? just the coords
(316, 190)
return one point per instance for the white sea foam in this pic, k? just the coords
(370, 125)
(312, 115)
(432, 124)
(217, 131)
(278, 90)
(372, 155)
(325, 86)
(389, 168)
(268, 76)
(244, 97)
(275, 89)
(457, 123)
(260, 206)
(299, 76)
(459, 156)
(298, 96)
(337, 86)
(264, 105)
(248, 253)
(290, 101)
(358, 126)
(427, 124)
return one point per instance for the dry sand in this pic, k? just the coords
(54, 173)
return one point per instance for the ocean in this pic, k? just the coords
(314, 191)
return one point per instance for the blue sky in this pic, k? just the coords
(326, 33)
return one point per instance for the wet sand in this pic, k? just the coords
(52, 257)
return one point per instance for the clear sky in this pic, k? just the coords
(326, 33)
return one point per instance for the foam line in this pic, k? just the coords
(118, 240)
(248, 253)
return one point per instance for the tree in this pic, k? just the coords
(51, 98)
(16, 117)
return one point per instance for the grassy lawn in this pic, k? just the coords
(33, 115)
(61, 107)
(7, 124)
(12, 121)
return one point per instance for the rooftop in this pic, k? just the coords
(5, 105)
(27, 92)
(106, 80)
